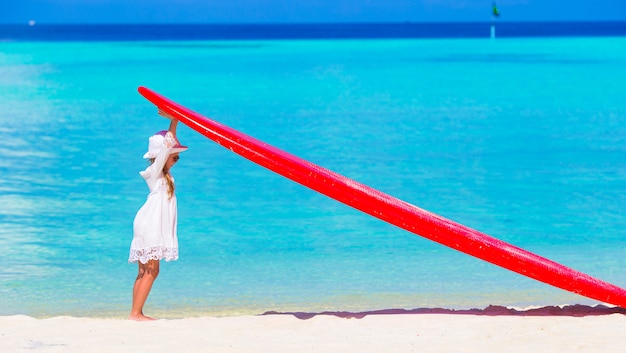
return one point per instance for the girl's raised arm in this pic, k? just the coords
(173, 121)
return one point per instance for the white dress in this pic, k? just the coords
(154, 227)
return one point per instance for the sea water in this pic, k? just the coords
(520, 138)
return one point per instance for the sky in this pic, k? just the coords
(303, 11)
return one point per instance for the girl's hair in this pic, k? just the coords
(170, 182)
(168, 179)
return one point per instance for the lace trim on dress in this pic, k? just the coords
(155, 253)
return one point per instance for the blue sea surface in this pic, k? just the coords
(521, 138)
(278, 31)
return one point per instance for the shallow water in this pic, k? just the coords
(519, 138)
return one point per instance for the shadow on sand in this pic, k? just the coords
(492, 310)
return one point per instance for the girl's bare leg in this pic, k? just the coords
(145, 278)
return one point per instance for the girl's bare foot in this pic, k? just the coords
(141, 317)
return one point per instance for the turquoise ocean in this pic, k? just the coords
(522, 138)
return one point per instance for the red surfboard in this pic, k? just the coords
(393, 210)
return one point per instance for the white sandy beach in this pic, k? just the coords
(323, 333)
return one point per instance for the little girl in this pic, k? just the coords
(155, 224)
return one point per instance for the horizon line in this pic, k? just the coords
(34, 22)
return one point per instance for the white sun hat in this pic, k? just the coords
(159, 140)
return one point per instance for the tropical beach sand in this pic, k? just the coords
(484, 332)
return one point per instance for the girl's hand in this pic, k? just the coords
(166, 115)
